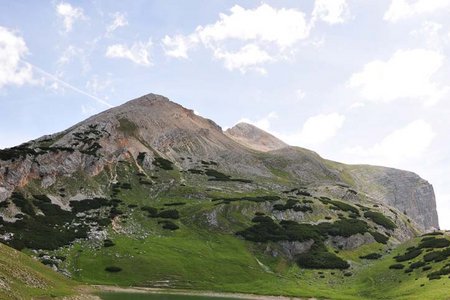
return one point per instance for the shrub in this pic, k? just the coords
(396, 266)
(409, 254)
(152, 212)
(380, 219)
(113, 269)
(339, 205)
(417, 265)
(434, 243)
(175, 204)
(108, 243)
(433, 233)
(169, 214)
(371, 256)
(163, 163)
(169, 225)
(426, 268)
(319, 258)
(344, 227)
(437, 256)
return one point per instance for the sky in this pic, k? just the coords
(356, 81)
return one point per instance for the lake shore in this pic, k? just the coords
(145, 290)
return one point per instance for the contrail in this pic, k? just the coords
(68, 85)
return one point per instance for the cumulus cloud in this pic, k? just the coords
(316, 130)
(178, 46)
(403, 144)
(332, 12)
(404, 9)
(407, 74)
(139, 52)
(246, 39)
(69, 14)
(119, 20)
(263, 123)
(13, 49)
(245, 58)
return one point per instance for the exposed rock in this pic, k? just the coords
(352, 242)
(154, 125)
(291, 249)
(254, 138)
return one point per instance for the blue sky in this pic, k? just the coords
(356, 81)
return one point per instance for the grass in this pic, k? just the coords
(196, 247)
(24, 278)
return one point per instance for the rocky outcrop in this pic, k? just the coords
(254, 138)
(152, 126)
(403, 190)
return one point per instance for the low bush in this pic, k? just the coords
(163, 163)
(397, 266)
(431, 242)
(437, 256)
(169, 225)
(152, 212)
(379, 237)
(409, 254)
(371, 256)
(319, 258)
(113, 269)
(169, 214)
(344, 227)
(108, 243)
(339, 205)
(175, 204)
(380, 219)
(418, 264)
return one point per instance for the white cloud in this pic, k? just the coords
(404, 9)
(316, 130)
(119, 20)
(263, 123)
(430, 33)
(179, 45)
(139, 52)
(245, 38)
(300, 94)
(12, 50)
(332, 12)
(402, 144)
(248, 57)
(69, 14)
(97, 86)
(407, 74)
(72, 53)
(284, 27)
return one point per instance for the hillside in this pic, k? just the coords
(22, 277)
(150, 194)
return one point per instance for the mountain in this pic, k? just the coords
(254, 138)
(149, 183)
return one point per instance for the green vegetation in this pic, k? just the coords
(319, 258)
(371, 256)
(339, 205)
(21, 277)
(380, 219)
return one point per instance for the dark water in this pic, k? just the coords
(149, 296)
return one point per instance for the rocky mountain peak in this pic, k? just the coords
(254, 137)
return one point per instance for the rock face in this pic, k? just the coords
(254, 138)
(401, 189)
(153, 127)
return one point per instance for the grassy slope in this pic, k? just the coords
(198, 256)
(21, 277)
